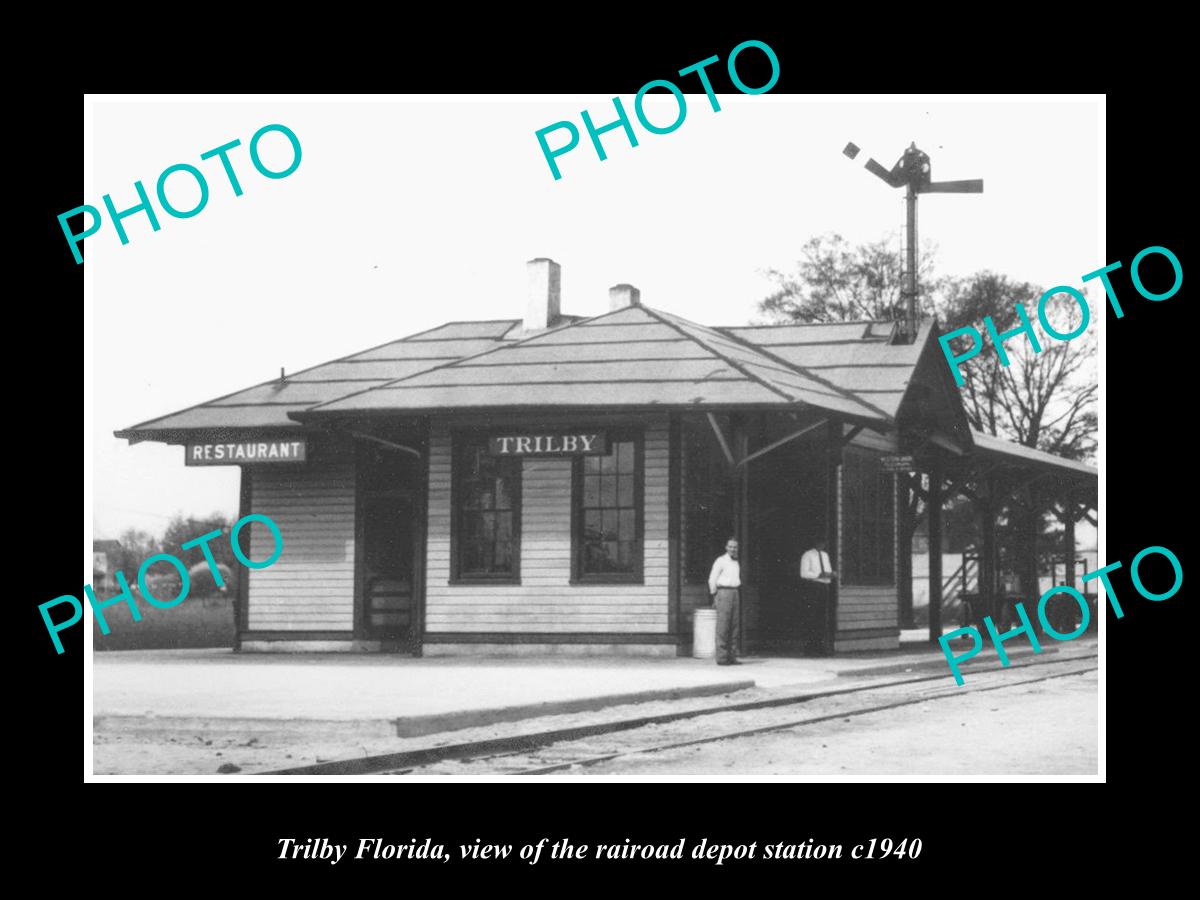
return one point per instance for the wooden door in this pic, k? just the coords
(388, 572)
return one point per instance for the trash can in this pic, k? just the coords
(704, 633)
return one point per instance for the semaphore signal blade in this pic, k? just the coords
(852, 150)
(969, 186)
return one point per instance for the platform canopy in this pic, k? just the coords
(991, 450)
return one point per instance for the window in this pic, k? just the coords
(868, 517)
(485, 539)
(607, 511)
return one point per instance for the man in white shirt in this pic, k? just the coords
(816, 579)
(815, 565)
(724, 586)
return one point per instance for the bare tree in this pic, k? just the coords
(1043, 399)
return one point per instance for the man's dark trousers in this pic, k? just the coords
(819, 618)
(727, 603)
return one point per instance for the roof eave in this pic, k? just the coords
(1031, 457)
(315, 415)
(183, 435)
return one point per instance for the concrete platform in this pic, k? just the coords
(377, 693)
(382, 694)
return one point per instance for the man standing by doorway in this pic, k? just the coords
(724, 586)
(816, 581)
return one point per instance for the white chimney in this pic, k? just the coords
(623, 295)
(545, 294)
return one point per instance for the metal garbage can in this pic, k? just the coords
(704, 633)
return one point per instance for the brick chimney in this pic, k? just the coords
(623, 295)
(545, 294)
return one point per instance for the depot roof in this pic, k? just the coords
(856, 356)
(268, 404)
(634, 357)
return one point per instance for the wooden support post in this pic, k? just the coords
(1029, 562)
(420, 541)
(1069, 540)
(907, 524)
(987, 556)
(674, 514)
(832, 500)
(934, 505)
(241, 608)
(739, 440)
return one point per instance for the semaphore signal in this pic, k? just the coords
(913, 171)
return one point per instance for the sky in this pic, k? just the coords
(408, 212)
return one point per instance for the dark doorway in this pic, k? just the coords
(388, 594)
(388, 543)
(786, 517)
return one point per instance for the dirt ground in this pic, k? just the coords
(1046, 728)
(1041, 727)
(212, 751)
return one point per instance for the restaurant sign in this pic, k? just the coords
(590, 443)
(231, 454)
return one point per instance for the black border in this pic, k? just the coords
(964, 826)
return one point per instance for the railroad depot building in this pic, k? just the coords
(563, 484)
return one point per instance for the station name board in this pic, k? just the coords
(226, 454)
(575, 443)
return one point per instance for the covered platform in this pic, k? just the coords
(1005, 483)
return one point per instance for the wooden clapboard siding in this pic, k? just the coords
(311, 586)
(545, 601)
(867, 609)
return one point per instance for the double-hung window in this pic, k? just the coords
(486, 500)
(607, 512)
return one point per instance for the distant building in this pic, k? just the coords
(103, 554)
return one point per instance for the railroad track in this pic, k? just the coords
(579, 747)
